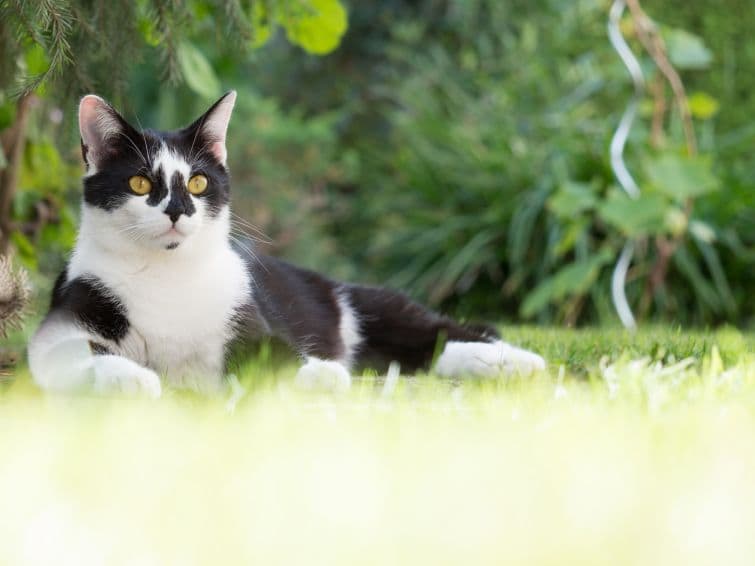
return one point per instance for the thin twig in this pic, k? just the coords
(656, 47)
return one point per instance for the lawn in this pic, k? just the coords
(631, 450)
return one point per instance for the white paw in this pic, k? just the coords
(323, 375)
(116, 374)
(483, 359)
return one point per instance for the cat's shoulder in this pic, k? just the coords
(89, 300)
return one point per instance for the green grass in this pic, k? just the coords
(631, 450)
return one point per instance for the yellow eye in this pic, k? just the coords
(140, 185)
(197, 184)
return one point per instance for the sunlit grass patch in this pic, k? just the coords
(630, 450)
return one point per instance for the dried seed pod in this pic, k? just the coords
(14, 296)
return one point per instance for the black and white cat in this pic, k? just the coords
(154, 287)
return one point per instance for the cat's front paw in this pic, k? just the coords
(115, 374)
(484, 359)
(325, 375)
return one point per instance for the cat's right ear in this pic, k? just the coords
(100, 126)
(212, 126)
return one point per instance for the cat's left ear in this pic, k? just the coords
(213, 125)
(103, 131)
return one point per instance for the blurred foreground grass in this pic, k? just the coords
(631, 450)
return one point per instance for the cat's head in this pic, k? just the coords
(158, 190)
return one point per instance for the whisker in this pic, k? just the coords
(196, 133)
(246, 224)
(243, 246)
(246, 227)
(239, 231)
(144, 139)
(250, 253)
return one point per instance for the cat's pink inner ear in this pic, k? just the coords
(97, 125)
(219, 151)
(215, 126)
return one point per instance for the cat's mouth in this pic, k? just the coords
(174, 237)
(173, 233)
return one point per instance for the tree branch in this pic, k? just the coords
(13, 141)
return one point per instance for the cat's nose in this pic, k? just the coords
(179, 204)
(174, 211)
(174, 215)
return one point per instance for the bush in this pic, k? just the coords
(485, 187)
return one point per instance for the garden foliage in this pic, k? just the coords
(455, 149)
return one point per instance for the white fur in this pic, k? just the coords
(180, 302)
(348, 328)
(116, 374)
(171, 162)
(317, 374)
(59, 356)
(483, 359)
(60, 360)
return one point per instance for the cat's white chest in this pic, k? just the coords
(185, 316)
(180, 313)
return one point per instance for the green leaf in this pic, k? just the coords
(41, 169)
(27, 253)
(720, 280)
(681, 177)
(634, 217)
(197, 71)
(36, 59)
(7, 112)
(148, 30)
(261, 24)
(703, 106)
(573, 231)
(687, 50)
(574, 279)
(572, 198)
(317, 26)
(704, 292)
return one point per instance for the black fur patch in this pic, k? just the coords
(108, 187)
(298, 306)
(88, 301)
(180, 199)
(99, 349)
